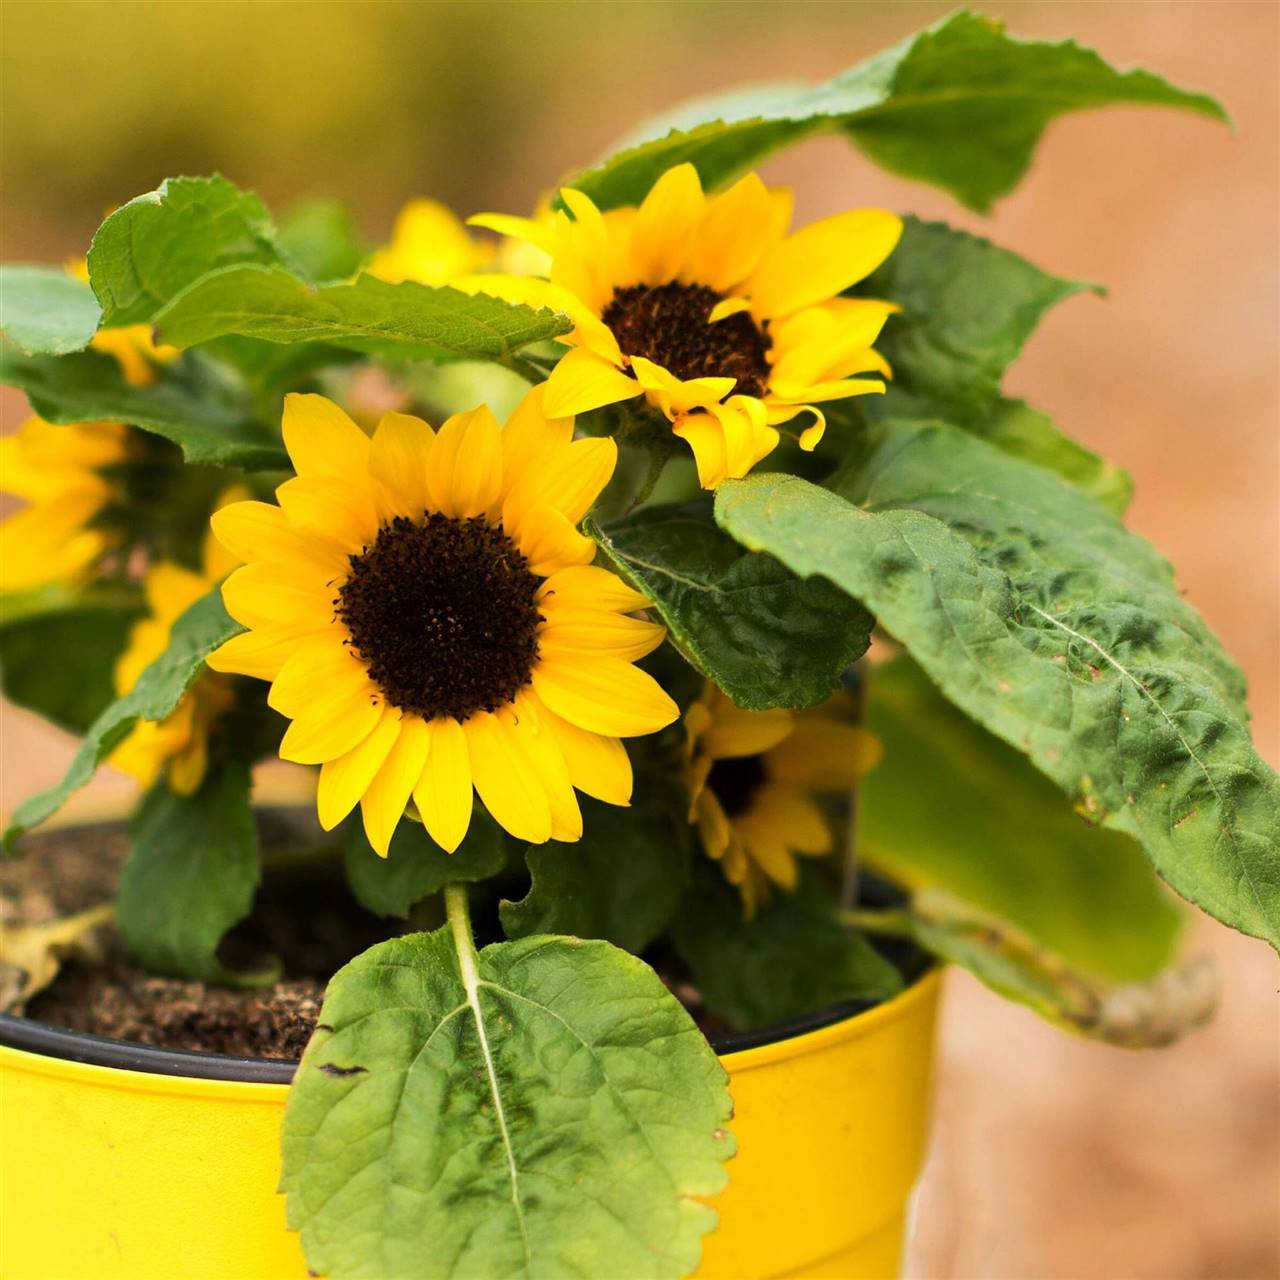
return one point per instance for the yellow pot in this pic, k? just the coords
(121, 1162)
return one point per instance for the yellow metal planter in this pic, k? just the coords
(117, 1174)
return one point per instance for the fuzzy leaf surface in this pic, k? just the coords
(766, 637)
(88, 387)
(44, 311)
(1039, 615)
(550, 1112)
(191, 874)
(960, 106)
(406, 321)
(200, 630)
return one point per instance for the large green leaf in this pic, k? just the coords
(416, 867)
(58, 650)
(622, 882)
(406, 321)
(766, 637)
(1036, 613)
(546, 1108)
(45, 311)
(88, 387)
(961, 106)
(200, 630)
(1156, 1011)
(795, 957)
(152, 248)
(951, 807)
(191, 874)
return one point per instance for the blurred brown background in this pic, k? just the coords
(1053, 1158)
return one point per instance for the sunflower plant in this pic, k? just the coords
(569, 623)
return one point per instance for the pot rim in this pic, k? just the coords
(743, 1050)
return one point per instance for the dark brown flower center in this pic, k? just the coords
(735, 782)
(442, 612)
(668, 325)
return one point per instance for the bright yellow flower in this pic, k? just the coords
(132, 345)
(706, 307)
(428, 613)
(181, 739)
(58, 470)
(751, 777)
(430, 245)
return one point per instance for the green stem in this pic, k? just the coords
(459, 916)
(889, 924)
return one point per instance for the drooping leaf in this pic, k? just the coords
(766, 637)
(960, 105)
(31, 954)
(951, 807)
(546, 1108)
(88, 387)
(622, 882)
(416, 867)
(152, 248)
(45, 311)
(58, 650)
(200, 630)
(794, 957)
(1035, 612)
(1158, 1010)
(321, 239)
(191, 874)
(406, 321)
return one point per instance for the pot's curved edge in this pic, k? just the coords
(741, 1051)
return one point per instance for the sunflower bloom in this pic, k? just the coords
(58, 470)
(751, 778)
(181, 740)
(707, 308)
(431, 622)
(429, 245)
(131, 345)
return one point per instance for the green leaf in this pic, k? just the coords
(321, 239)
(58, 650)
(793, 958)
(622, 882)
(45, 311)
(1135, 1015)
(152, 248)
(766, 637)
(546, 1108)
(960, 106)
(88, 387)
(200, 630)
(1037, 614)
(416, 867)
(951, 807)
(406, 321)
(191, 874)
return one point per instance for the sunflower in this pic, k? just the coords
(431, 621)
(430, 245)
(705, 306)
(134, 349)
(59, 471)
(752, 776)
(181, 739)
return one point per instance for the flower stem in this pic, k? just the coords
(887, 924)
(459, 915)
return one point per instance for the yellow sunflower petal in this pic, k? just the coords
(703, 434)
(768, 849)
(443, 791)
(506, 780)
(736, 732)
(824, 755)
(589, 587)
(320, 666)
(265, 593)
(605, 695)
(549, 541)
(383, 803)
(398, 462)
(344, 781)
(568, 480)
(785, 393)
(542, 748)
(333, 722)
(598, 766)
(189, 764)
(261, 652)
(321, 439)
(583, 381)
(713, 826)
(589, 631)
(791, 816)
(339, 513)
(170, 589)
(531, 231)
(736, 231)
(530, 435)
(464, 472)
(665, 224)
(260, 531)
(822, 260)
